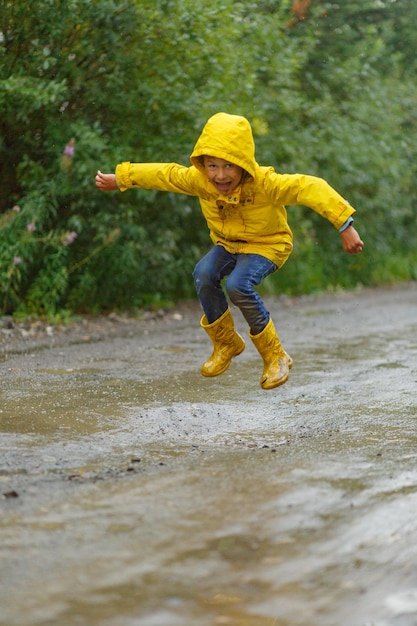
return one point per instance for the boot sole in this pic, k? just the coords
(276, 384)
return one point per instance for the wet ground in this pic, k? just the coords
(135, 492)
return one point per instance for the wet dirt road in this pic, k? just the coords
(133, 491)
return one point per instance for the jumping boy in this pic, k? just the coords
(244, 206)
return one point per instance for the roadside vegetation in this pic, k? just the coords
(330, 89)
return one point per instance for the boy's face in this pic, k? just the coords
(224, 175)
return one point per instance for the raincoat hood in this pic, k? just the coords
(227, 137)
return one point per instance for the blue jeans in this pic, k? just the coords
(244, 272)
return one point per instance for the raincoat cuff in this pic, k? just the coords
(348, 222)
(122, 176)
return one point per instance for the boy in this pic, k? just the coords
(244, 206)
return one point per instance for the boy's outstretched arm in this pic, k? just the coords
(351, 241)
(106, 182)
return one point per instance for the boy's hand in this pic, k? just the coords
(351, 241)
(106, 182)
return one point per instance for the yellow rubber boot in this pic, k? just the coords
(277, 362)
(226, 341)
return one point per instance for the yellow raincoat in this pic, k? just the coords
(253, 219)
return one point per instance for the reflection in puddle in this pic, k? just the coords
(47, 409)
(70, 370)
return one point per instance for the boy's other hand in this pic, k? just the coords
(106, 182)
(351, 241)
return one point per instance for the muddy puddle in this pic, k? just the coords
(136, 492)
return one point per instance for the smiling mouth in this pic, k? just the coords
(223, 186)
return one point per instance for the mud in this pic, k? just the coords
(133, 491)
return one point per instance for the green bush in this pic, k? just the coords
(323, 95)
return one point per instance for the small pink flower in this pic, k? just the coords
(16, 208)
(70, 148)
(69, 151)
(17, 260)
(69, 238)
(31, 227)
